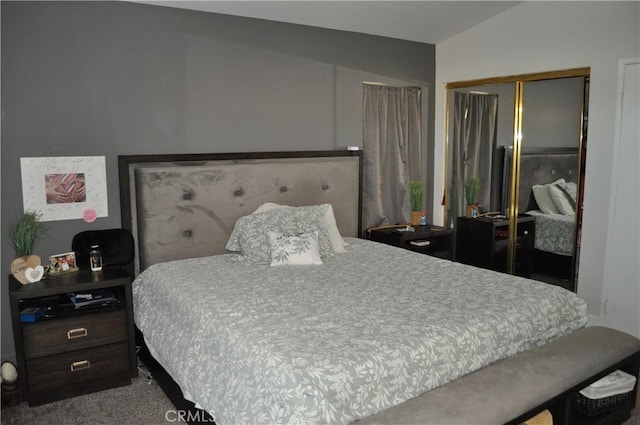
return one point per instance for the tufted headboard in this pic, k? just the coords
(539, 166)
(182, 206)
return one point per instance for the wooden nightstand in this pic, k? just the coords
(428, 239)
(73, 351)
(484, 242)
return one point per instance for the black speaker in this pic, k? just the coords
(116, 246)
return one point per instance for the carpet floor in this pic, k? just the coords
(141, 403)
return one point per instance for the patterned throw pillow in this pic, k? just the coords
(571, 189)
(294, 250)
(337, 242)
(250, 233)
(562, 200)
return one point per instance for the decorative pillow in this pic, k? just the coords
(561, 200)
(543, 199)
(571, 189)
(250, 233)
(294, 250)
(268, 206)
(337, 242)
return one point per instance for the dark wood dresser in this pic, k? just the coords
(484, 242)
(70, 351)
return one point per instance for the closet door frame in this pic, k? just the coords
(621, 292)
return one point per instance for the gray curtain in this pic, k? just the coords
(392, 136)
(475, 118)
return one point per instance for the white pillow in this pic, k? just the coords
(294, 250)
(542, 195)
(543, 199)
(267, 206)
(337, 242)
(561, 200)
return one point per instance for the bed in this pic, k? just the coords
(548, 192)
(369, 329)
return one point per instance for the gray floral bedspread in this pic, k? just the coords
(332, 343)
(554, 232)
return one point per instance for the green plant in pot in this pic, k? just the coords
(24, 233)
(471, 189)
(417, 201)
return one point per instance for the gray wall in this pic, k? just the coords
(551, 112)
(111, 78)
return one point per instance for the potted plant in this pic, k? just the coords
(24, 234)
(471, 189)
(417, 202)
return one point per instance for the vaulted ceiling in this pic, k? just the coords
(423, 21)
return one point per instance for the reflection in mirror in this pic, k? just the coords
(552, 129)
(460, 148)
(481, 125)
(475, 117)
(549, 173)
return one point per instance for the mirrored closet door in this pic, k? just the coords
(514, 174)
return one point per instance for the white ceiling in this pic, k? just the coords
(423, 21)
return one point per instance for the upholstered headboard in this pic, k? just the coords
(182, 206)
(539, 166)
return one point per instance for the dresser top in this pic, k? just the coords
(80, 280)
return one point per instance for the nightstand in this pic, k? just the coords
(428, 239)
(71, 351)
(484, 242)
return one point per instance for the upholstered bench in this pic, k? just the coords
(519, 387)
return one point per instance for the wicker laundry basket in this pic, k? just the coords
(542, 418)
(593, 407)
(607, 394)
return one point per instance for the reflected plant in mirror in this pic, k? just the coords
(418, 212)
(471, 189)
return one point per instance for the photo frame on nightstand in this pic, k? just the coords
(63, 263)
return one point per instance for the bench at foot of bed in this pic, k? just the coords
(519, 387)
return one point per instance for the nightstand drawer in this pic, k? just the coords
(45, 373)
(75, 333)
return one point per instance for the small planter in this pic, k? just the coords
(24, 233)
(418, 217)
(27, 269)
(472, 211)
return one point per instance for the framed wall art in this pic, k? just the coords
(65, 188)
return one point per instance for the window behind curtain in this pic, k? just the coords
(392, 141)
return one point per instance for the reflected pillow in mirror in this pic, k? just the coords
(561, 200)
(543, 199)
(571, 189)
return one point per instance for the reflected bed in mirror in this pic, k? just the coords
(548, 192)
(542, 113)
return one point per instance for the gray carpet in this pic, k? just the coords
(141, 403)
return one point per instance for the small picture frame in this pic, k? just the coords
(62, 263)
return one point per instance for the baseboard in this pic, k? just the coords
(593, 320)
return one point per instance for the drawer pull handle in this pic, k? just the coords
(77, 333)
(81, 365)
